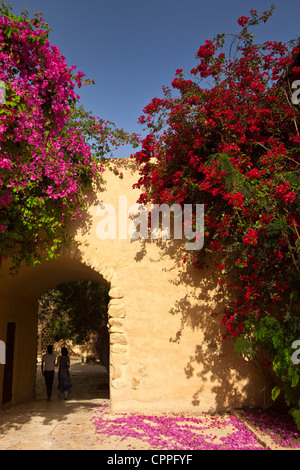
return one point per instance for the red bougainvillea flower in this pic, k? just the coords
(243, 20)
(229, 139)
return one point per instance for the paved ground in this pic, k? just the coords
(67, 425)
(57, 424)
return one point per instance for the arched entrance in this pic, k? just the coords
(19, 306)
(166, 352)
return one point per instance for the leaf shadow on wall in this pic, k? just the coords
(214, 364)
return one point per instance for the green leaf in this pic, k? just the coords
(275, 393)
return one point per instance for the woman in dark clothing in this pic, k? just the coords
(64, 380)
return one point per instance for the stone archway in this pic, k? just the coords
(19, 295)
(118, 340)
(166, 352)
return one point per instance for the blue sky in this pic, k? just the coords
(132, 48)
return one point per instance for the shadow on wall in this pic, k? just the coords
(213, 359)
(231, 379)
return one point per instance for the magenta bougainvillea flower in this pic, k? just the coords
(200, 432)
(47, 157)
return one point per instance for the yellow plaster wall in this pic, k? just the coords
(166, 351)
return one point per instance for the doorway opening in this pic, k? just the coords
(19, 296)
(9, 363)
(75, 315)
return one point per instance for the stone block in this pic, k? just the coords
(117, 311)
(118, 349)
(116, 293)
(117, 338)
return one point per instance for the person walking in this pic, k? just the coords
(48, 366)
(64, 379)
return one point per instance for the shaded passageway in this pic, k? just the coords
(57, 424)
(34, 283)
(89, 381)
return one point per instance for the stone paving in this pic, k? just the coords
(57, 424)
(66, 424)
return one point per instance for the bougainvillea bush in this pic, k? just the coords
(228, 137)
(51, 149)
